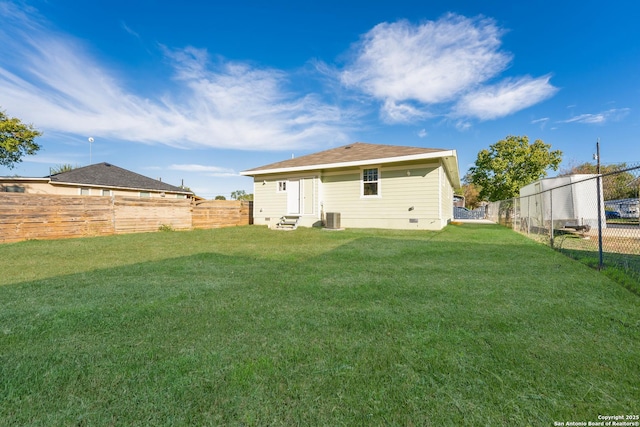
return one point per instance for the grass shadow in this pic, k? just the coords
(365, 327)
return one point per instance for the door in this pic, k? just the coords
(293, 197)
(308, 196)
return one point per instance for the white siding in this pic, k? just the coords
(409, 198)
(269, 204)
(446, 198)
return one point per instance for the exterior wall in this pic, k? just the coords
(409, 198)
(271, 204)
(416, 196)
(446, 199)
(31, 187)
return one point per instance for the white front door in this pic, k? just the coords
(293, 197)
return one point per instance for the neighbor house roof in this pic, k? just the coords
(360, 154)
(108, 175)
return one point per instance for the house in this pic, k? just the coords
(101, 179)
(562, 201)
(359, 185)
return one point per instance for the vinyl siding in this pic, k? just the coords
(446, 198)
(270, 204)
(417, 196)
(402, 197)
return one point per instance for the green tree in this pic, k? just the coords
(16, 140)
(615, 185)
(471, 193)
(220, 198)
(241, 195)
(61, 168)
(510, 164)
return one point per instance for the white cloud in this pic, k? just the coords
(446, 62)
(463, 125)
(50, 79)
(614, 114)
(393, 112)
(431, 62)
(505, 98)
(542, 120)
(207, 170)
(422, 133)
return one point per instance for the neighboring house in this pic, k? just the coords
(101, 179)
(368, 185)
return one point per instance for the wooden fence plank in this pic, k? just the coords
(44, 216)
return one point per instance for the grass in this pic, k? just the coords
(621, 256)
(473, 325)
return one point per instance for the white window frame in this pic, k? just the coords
(378, 181)
(84, 191)
(106, 192)
(282, 186)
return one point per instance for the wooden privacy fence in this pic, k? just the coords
(45, 216)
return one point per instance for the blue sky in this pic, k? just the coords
(198, 91)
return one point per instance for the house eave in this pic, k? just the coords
(451, 154)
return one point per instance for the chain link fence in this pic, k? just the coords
(590, 217)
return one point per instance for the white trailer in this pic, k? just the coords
(565, 201)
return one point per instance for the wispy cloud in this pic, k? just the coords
(128, 29)
(505, 98)
(447, 62)
(204, 169)
(208, 104)
(542, 120)
(614, 114)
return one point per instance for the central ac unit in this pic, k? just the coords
(333, 220)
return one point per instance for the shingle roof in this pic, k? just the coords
(355, 152)
(108, 175)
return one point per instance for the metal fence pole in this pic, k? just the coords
(599, 196)
(551, 216)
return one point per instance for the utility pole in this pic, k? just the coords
(600, 204)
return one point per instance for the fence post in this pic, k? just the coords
(528, 215)
(599, 195)
(551, 216)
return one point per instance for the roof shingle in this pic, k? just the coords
(358, 151)
(108, 175)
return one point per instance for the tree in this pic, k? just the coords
(16, 140)
(241, 195)
(510, 164)
(471, 193)
(620, 185)
(61, 168)
(220, 198)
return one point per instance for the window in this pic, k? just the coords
(106, 192)
(14, 189)
(145, 194)
(282, 186)
(85, 191)
(370, 182)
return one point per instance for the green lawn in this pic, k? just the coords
(474, 325)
